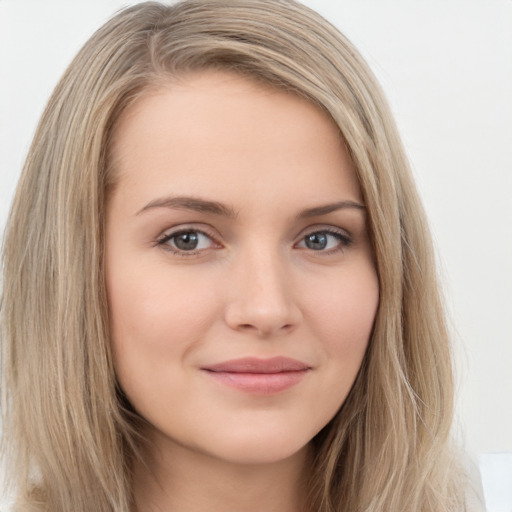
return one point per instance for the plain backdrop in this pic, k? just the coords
(446, 67)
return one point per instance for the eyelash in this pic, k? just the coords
(163, 241)
(344, 240)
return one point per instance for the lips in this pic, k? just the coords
(259, 376)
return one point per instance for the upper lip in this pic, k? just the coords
(277, 364)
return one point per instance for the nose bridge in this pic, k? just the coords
(261, 298)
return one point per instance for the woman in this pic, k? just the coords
(219, 289)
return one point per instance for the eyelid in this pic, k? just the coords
(325, 228)
(169, 233)
(344, 236)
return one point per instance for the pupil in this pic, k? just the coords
(186, 241)
(316, 241)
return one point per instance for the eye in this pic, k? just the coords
(325, 240)
(188, 240)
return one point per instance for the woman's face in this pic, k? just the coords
(241, 286)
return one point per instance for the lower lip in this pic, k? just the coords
(259, 383)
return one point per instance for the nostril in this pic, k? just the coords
(265, 330)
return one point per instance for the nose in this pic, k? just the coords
(261, 299)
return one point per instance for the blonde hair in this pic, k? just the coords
(68, 434)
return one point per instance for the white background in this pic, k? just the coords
(446, 66)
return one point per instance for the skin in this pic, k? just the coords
(252, 286)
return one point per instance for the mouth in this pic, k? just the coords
(259, 376)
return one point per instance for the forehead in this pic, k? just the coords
(213, 129)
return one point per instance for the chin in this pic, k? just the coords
(260, 448)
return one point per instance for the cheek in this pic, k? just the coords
(342, 317)
(340, 313)
(155, 318)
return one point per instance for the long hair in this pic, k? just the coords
(68, 434)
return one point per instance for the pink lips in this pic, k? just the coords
(260, 376)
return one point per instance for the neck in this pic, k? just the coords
(175, 478)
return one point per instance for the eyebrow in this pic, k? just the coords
(317, 211)
(190, 203)
(216, 208)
